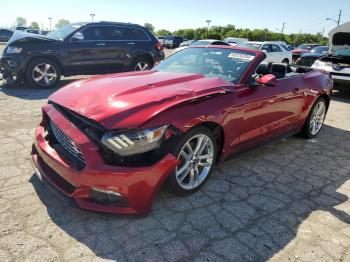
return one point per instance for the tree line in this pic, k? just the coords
(21, 21)
(222, 32)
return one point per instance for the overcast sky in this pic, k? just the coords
(308, 15)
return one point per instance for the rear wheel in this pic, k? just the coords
(315, 119)
(197, 151)
(141, 63)
(43, 73)
(285, 61)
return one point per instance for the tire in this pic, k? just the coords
(141, 63)
(311, 122)
(43, 73)
(196, 172)
(285, 61)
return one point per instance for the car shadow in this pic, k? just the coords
(250, 209)
(24, 91)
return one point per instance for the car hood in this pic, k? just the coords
(129, 100)
(313, 54)
(20, 37)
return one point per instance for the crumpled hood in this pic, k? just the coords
(130, 99)
(24, 37)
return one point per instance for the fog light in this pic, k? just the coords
(107, 197)
(11, 63)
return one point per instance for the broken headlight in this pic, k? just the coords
(134, 141)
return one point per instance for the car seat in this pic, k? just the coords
(264, 68)
(279, 70)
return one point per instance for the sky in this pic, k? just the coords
(309, 16)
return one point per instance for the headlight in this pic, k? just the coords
(318, 63)
(134, 142)
(13, 50)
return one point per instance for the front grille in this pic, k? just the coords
(70, 149)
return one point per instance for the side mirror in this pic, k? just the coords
(267, 80)
(77, 37)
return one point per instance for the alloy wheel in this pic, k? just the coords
(141, 66)
(197, 158)
(317, 117)
(44, 74)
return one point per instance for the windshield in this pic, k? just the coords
(227, 64)
(320, 49)
(248, 45)
(342, 52)
(64, 31)
(200, 42)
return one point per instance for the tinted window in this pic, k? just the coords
(276, 48)
(116, 33)
(95, 33)
(137, 34)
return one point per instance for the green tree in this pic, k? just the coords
(20, 21)
(61, 23)
(149, 26)
(34, 25)
(163, 32)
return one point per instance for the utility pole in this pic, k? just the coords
(50, 18)
(208, 22)
(284, 23)
(92, 17)
(322, 31)
(339, 17)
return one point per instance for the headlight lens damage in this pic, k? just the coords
(135, 141)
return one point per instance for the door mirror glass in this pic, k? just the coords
(267, 80)
(78, 36)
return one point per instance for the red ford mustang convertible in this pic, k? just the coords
(109, 142)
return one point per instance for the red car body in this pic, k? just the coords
(246, 116)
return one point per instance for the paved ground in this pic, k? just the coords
(287, 201)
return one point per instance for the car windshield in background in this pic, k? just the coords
(342, 52)
(64, 31)
(320, 49)
(227, 64)
(199, 43)
(253, 46)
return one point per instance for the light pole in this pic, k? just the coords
(208, 22)
(50, 18)
(335, 21)
(92, 17)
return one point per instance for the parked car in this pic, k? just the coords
(110, 142)
(274, 52)
(161, 39)
(235, 40)
(307, 59)
(187, 43)
(21, 28)
(5, 34)
(337, 63)
(302, 49)
(173, 41)
(33, 31)
(204, 42)
(79, 48)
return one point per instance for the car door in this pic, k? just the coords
(93, 50)
(266, 48)
(277, 53)
(269, 111)
(139, 43)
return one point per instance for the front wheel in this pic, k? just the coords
(197, 151)
(315, 119)
(43, 73)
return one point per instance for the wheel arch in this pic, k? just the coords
(218, 132)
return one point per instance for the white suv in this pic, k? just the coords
(275, 52)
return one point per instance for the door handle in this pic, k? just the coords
(101, 44)
(131, 43)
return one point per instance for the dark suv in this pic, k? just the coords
(79, 48)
